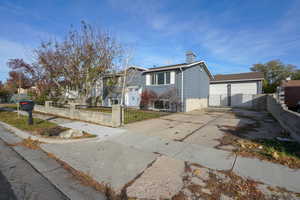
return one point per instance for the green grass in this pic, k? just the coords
(131, 115)
(21, 122)
(134, 115)
(13, 106)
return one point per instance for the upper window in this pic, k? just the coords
(160, 78)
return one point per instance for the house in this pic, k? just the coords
(235, 89)
(180, 87)
(289, 91)
(133, 82)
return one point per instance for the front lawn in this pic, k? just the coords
(12, 106)
(21, 122)
(40, 127)
(134, 115)
(130, 114)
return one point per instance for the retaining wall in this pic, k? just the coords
(107, 119)
(288, 119)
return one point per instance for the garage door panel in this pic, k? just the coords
(243, 88)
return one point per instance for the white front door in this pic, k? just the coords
(132, 97)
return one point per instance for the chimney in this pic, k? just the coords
(190, 57)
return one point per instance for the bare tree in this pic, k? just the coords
(78, 62)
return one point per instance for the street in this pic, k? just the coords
(18, 180)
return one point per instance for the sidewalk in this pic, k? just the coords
(133, 152)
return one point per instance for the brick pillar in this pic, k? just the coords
(116, 115)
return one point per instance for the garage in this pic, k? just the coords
(235, 90)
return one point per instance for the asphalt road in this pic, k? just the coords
(18, 180)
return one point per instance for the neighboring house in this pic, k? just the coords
(289, 91)
(186, 85)
(113, 86)
(235, 89)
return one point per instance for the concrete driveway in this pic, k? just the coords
(207, 127)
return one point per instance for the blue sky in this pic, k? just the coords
(230, 35)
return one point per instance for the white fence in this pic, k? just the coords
(252, 101)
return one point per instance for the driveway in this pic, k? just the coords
(208, 127)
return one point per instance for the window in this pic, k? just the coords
(153, 79)
(162, 78)
(168, 77)
(162, 104)
(114, 101)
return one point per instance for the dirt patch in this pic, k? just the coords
(50, 132)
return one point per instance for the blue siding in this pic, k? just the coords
(196, 83)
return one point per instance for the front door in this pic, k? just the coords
(132, 97)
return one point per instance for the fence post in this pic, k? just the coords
(122, 115)
(48, 104)
(116, 115)
(72, 110)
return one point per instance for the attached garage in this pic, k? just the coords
(235, 89)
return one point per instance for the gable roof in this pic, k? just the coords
(291, 83)
(238, 77)
(179, 66)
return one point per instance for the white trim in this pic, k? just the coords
(172, 77)
(148, 79)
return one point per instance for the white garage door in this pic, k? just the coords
(241, 94)
(243, 88)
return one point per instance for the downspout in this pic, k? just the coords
(181, 89)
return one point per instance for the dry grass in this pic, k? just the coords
(28, 143)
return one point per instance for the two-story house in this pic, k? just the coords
(129, 83)
(185, 85)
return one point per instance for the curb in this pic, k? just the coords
(52, 171)
(26, 135)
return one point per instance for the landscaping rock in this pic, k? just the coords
(77, 133)
(71, 133)
(66, 134)
(162, 180)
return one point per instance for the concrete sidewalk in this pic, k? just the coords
(132, 153)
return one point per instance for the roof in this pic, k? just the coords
(291, 83)
(178, 66)
(238, 77)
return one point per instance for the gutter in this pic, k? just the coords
(181, 88)
(237, 80)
